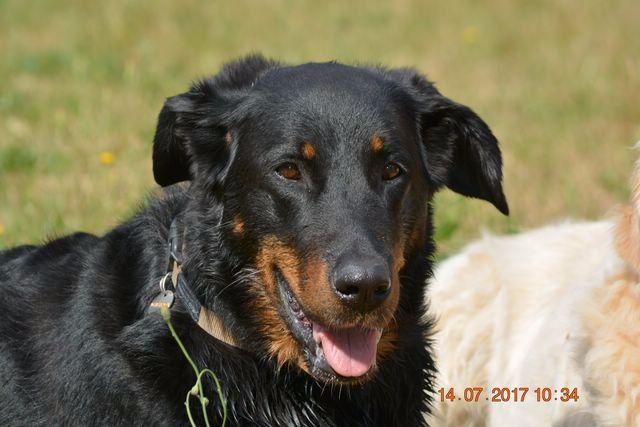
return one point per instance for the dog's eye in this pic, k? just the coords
(391, 171)
(289, 171)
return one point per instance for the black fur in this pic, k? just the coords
(76, 344)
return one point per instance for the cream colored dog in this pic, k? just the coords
(554, 307)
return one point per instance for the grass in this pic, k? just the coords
(557, 80)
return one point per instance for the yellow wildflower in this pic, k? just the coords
(107, 158)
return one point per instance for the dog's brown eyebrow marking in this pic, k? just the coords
(238, 225)
(308, 150)
(377, 143)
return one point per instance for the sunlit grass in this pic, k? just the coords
(557, 81)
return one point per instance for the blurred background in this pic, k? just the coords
(82, 82)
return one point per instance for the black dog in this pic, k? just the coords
(302, 244)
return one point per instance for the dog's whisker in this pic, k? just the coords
(245, 276)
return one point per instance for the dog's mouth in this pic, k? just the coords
(346, 355)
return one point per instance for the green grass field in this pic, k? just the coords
(82, 82)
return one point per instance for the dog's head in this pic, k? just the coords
(322, 173)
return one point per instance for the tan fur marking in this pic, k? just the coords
(377, 143)
(308, 150)
(282, 344)
(416, 234)
(398, 257)
(238, 225)
(388, 342)
(318, 297)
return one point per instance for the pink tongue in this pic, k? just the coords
(350, 352)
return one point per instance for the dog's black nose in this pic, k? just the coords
(362, 283)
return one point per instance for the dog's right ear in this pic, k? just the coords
(194, 135)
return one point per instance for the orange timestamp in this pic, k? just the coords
(507, 394)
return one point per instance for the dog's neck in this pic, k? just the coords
(175, 285)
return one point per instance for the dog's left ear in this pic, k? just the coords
(460, 152)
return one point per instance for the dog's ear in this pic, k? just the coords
(460, 152)
(194, 135)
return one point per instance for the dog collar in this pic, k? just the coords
(179, 288)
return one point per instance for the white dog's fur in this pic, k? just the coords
(554, 307)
